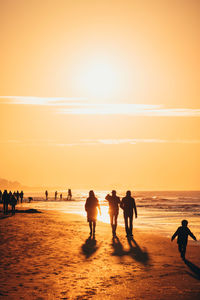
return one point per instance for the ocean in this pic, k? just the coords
(159, 212)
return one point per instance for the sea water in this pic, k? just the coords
(158, 212)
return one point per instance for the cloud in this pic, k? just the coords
(95, 142)
(82, 106)
(47, 101)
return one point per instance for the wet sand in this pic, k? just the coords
(47, 255)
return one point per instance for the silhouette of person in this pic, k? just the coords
(1, 196)
(60, 196)
(21, 196)
(182, 232)
(13, 202)
(113, 202)
(46, 194)
(5, 198)
(128, 205)
(69, 196)
(17, 196)
(56, 193)
(91, 206)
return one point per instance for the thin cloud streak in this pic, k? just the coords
(45, 101)
(82, 106)
(97, 142)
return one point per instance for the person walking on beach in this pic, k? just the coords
(113, 202)
(91, 206)
(56, 193)
(5, 199)
(128, 205)
(182, 232)
(17, 196)
(13, 202)
(69, 196)
(1, 196)
(21, 196)
(46, 194)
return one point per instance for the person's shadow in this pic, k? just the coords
(195, 270)
(89, 247)
(135, 251)
(118, 247)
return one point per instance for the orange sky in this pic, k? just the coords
(100, 94)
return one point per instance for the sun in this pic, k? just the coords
(99, 78)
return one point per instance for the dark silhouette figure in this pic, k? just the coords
(182, 232)
(91, 206)
(89, 247)
(1, 196)
(114, 202)
(69, 196)
(13, 202)
(60, 196)
(128, 205)
(5, 199)
(21, 196)
(17, 196)
(46, 195)
(56, 193)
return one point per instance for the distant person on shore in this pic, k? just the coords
(13, 202)
(60, 196)
(56, 193)
(21, 196)
(113, 202)
(17, 196)
(1, 196)
(46, 195)
(129, 207)
(91, 206)
(182, 232)
(5, 198)
(69, 196)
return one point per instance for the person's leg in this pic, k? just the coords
(115, 224)
(126, 224)
(131, 225)
(111, 222)
(94, 227)
(90, 225)
(183, 250)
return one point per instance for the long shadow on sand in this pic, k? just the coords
(135, 251)
(28, 211)
(89, 247)
(195, 270)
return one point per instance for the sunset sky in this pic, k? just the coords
(100, 94)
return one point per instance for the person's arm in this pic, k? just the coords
(174, 235)
(99, 207)
(135, 208)
(122, 204)
(86, 205)
(191, 234)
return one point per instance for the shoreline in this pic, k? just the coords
(47, 255)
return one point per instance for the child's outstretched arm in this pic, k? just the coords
(174, 235)
(192, 235)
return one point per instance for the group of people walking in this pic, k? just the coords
(127, 204)
(69, 195)
(10, 199)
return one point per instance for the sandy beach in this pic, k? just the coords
(47, 255)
